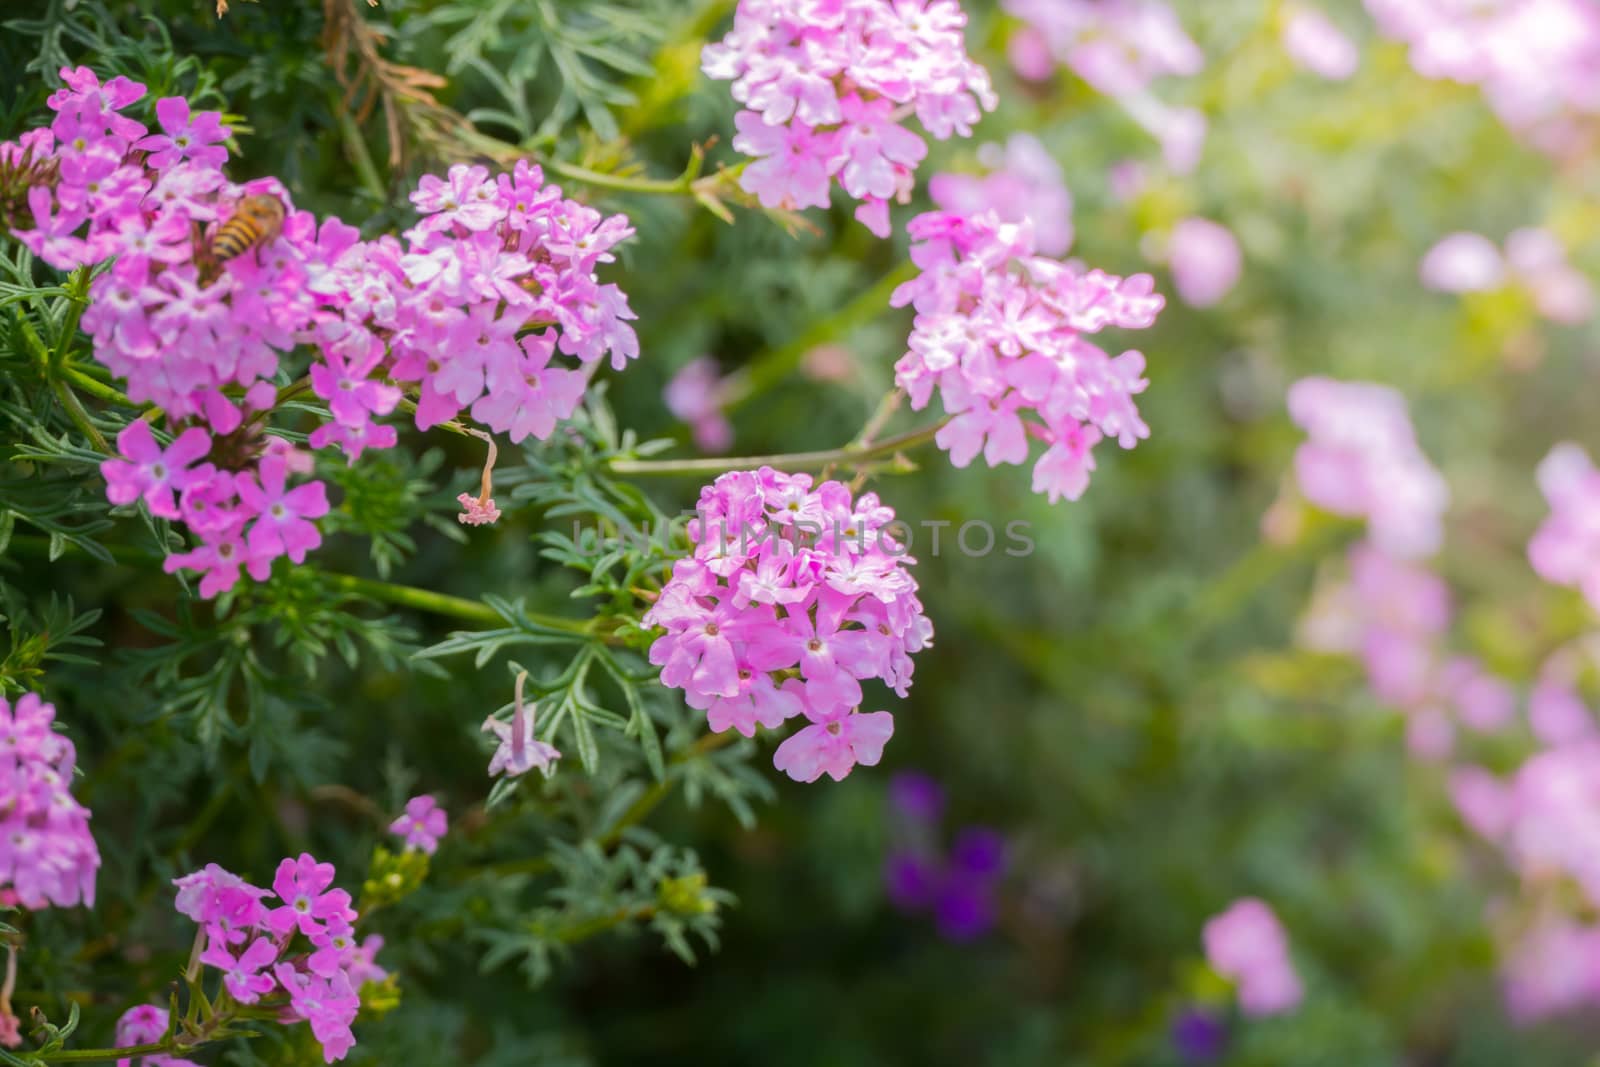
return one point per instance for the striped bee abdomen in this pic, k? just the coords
(255, 221)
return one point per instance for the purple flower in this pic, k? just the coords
(282, 516)
(47, 855)
(917, 797)
(911, 880)
(1199, 1036)
(302, 884)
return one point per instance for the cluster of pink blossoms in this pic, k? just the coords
(146, 1024)
(1534, 261)
(827, 84)
(793, 596)
(303, 948)
(1024, 183)
(1361, 460)
(695, 395)
(1314, 43)
(1545, 819)
(1393, 615)
(1119, 47)
(1001, 331)
(1537, 61)
(1247, 945)
(476, 304)
(47, 856)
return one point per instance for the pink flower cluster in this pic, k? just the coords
(792, 597)
(47, 856)
(1534, 261)
(301, 948)
(1001, 332)
(827, 85)
(1361, 460)
(1119, 47)
(1546, 821)
(423, 823)
(1565, 549)
(1393, 614)
(1247, 944)
(491, 286)
(1537, 61)
(1024, 183)
(146, 1024)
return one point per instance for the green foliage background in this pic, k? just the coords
(1125, 704)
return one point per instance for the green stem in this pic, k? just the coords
(769, 370)
(360, 157)
(93, 1055)
(600, 924)
(78, 297)
(75, 411)
(96, 388)
(621, 183)
(850, 455)
(880, 418)
(473, 611)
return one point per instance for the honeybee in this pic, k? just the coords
(255, 221)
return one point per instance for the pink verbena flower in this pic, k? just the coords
(1001, 333)
(827, 89)
(1361, 460)
(241, 974)
(281, 517)
(225, 904)
(1024, 183)
(786, 577)
(1246, 943)
(302, 884)
(154, 473)
(145, 1024)
(47, 855)
(196, 137)
(329, 1005)
(423, 823)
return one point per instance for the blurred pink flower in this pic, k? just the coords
(1205, 260)
(1482, 800)
(1117, 46)
(1554, 967)
(694, 395)
(1565, 549)
(1537, 61)
(1463, 263)
(1534, 259)
(1315, 43)
(1024, 183)
(1247, 944)
(1361, 460)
